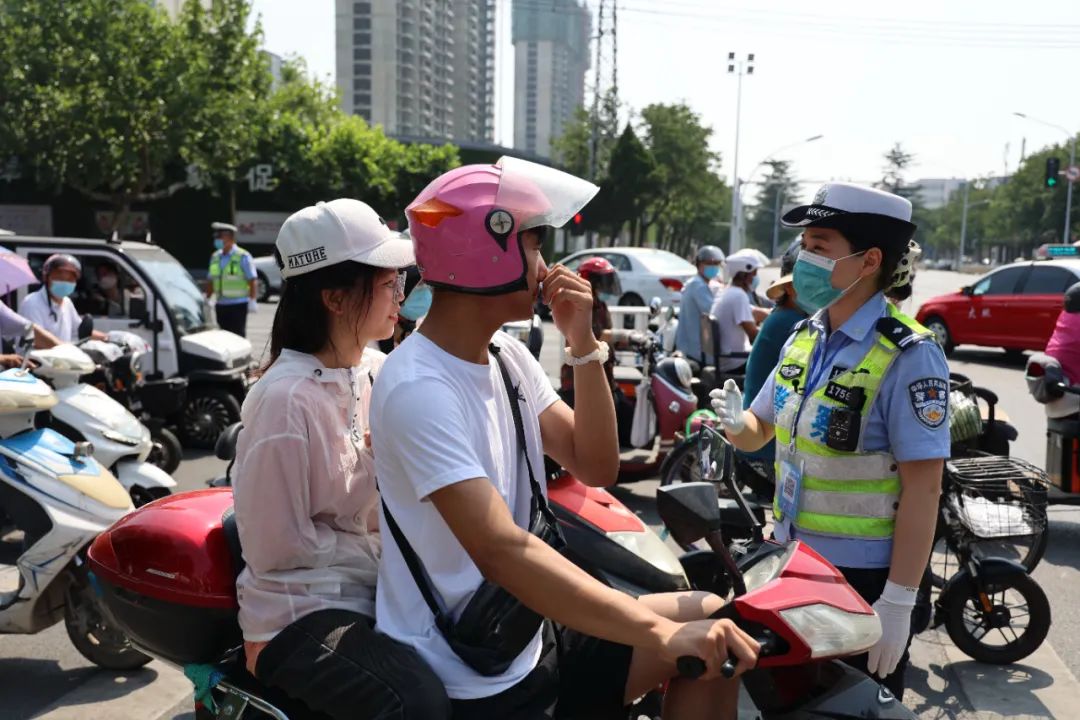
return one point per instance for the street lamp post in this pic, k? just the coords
(750, 177)
(1066, 235)
(740, 68)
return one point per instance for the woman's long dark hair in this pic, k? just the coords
(302, 322)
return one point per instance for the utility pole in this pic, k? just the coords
(594, 139)
(740, 68)
(776, 220)
(963, 224)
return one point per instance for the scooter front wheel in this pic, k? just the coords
(167, 451)
(1005, 626)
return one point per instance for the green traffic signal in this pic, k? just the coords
(1051, 182)
(1053, 167)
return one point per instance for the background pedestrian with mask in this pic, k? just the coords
(697, 298)
(734, 312)
(858, 404)
(232, 279)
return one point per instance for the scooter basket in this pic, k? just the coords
(997, 497)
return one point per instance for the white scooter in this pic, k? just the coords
(59, 498)
(120, 442)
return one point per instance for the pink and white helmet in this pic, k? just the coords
(466, 224)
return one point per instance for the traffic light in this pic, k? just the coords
(1053, 167)
(577, 224)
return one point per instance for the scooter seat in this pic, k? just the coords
(626, 374)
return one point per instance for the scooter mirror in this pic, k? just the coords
(689, 510)
(655, 305)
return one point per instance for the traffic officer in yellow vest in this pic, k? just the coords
(858, 405)
(232, 279)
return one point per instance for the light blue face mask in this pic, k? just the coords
(61, 288)
(417, 304)
(710, 271)
(814, 290)
(219, 244)
(755, 282)
(608, 298)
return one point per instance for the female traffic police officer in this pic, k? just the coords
(857, 404)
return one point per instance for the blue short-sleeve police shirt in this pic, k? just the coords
(908, 418)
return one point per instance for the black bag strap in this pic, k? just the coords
(416, 569)
(515, 398)
(412, 560)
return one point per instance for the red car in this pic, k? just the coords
(1014, 307)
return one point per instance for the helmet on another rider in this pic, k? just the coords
(743, 263)
(602, 276)
(467, 224)
(60, 273)
(709, 259)
(1072, 299)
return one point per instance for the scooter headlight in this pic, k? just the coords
(831, 632)
(768, 568)
(648, 546)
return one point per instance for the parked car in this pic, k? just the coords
(269, 277)
(644, 273)
(1013, 307)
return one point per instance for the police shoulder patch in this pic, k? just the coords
(929, 400)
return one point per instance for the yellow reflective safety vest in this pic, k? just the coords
(229, 282)
(843, 494)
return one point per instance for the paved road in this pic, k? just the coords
(44, 677)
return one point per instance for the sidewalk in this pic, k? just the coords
(945, 683)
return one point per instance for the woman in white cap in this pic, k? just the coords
(858, 405)
(304, 480)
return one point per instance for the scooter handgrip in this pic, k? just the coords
(728, 669)
(690, 667)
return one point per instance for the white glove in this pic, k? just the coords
(727, 404)
(253, 306)
(894, 609)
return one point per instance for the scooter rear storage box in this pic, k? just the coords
(168, 576)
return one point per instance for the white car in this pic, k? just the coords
(644, 273)
(269, 277)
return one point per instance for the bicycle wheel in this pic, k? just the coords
(1012, 624)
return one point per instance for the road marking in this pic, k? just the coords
(141, 695)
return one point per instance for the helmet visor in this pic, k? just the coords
(606, 284)
(537, 195)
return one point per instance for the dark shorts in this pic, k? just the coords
(335, 663)
(232, 318)
(578, 677)
(870, 583)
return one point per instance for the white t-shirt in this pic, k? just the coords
(732, 307)
(62, 320)
(437, 420)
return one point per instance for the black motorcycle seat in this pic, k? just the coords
(225, 448)
(232, 540)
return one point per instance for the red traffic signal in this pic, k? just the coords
(577, 224)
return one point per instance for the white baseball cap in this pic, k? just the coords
(328, 233)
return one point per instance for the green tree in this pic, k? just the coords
(573, 149)
(692, 196)
(778, 188)
(93, 104)
(230, 78)
(629, 188)
(897, 162)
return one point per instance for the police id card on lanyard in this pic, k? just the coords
(790, 487)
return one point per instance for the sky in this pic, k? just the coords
(942, 77)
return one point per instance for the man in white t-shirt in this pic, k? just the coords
(734, 313)
(456, 488)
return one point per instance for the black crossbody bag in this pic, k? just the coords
(495, 626)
